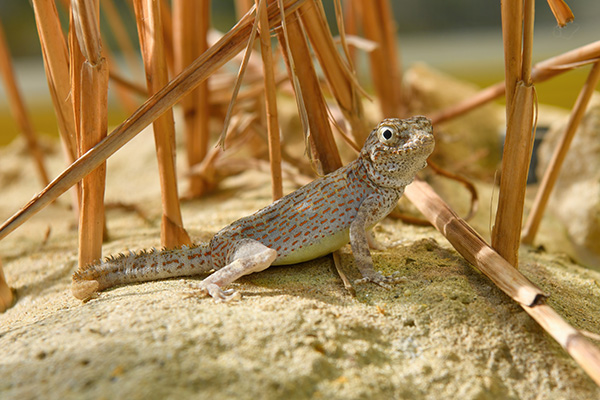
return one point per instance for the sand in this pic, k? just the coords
(445, 332)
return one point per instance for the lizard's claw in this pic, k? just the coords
(379, 279)
(213, 290)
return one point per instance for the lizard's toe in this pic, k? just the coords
(213, 290)
(380, 280)
(219, 295)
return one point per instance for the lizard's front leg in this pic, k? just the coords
(247, 257)
(360, 244)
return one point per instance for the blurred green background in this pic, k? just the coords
(460, 37)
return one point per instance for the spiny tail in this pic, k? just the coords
(147, 265)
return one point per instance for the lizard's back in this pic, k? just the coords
(308, 223)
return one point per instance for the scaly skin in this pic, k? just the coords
(313, 221)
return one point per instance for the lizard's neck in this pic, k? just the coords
(378, 179)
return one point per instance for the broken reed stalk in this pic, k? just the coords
(518, 143)
(474, 249)
(215, 57)
(541, 71)
(558, 157)
(342, 82)
(191, 20)
(386, 72)
(270, 100)
(310, 96)
(17, 106)
(148, 18)
(7, 297)
(561, 11)
(91, 102)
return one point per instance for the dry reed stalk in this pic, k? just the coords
(518, 144)
(342, 82)
(541, 72)
(242, 7)
(386, 73)
(216, 56)
(270, 100)
(558, 157)
(56, 63)
(308, 94)
(573, 341)
(512, 37)
(474, 249)
(150, 28)
(91, 104)
(167, 22)
(191, 20)
(18, 109)
(528, 19)
(348, 24)
(7, 297)
(561, 11)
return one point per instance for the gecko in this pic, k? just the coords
(314, 220)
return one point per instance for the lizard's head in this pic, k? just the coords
(397, 149)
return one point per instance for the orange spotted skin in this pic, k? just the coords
(313, 221)
(303, 219)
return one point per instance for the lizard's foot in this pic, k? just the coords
(213, 290)
(379, 279)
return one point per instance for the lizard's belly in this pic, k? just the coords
(325, 245)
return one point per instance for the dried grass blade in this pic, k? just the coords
(270, 100)
(238, 81)
(91, 99)
(191, 26)
(562, 12)
(56, 65)
(17, 106)
(153, 52)
(216, 56)
(558, 157)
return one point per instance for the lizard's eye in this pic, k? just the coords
(386, 135)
